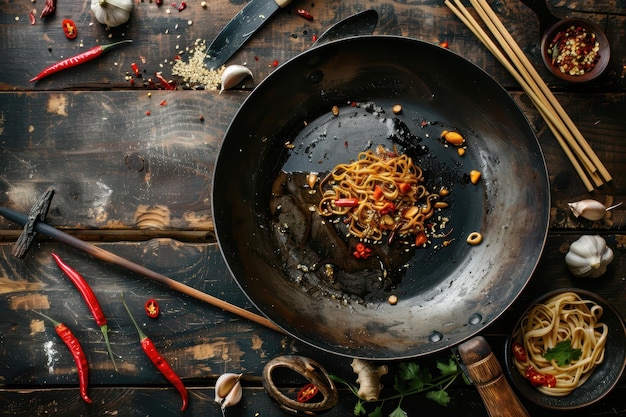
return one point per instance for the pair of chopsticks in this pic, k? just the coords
(584, 160)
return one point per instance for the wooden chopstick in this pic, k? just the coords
(570, 139)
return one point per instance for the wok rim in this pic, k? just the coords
(220, 234)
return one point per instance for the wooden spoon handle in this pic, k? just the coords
(486, 374)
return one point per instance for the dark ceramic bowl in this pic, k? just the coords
(589, 27)
(605, 376)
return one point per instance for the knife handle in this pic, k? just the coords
(283, 3)
(486, 374)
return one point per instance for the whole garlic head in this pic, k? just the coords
(112, 12)
(588, 256)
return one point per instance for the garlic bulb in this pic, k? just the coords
(228, 391)
(112, 12)
(233, 75)
(588, 256)
(590, 209)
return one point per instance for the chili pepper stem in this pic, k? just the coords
(105, 332)
(142, 335)
(53, 321)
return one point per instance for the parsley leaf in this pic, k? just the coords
(398, 412)
(447, 368)
(563, 353)
(441, 397)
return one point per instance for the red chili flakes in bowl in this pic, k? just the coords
(574, 51)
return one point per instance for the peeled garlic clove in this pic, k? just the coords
(590, 209)
(228, 390)
(233, 75)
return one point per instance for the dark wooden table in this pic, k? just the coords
(140, 186)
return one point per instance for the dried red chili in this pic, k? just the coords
(153, 354)
(182, 6)
(304, 13)
(404, 187)
(388, 208)
(32, 17)
(538, 379)
(378, 192)
(275, 63)
(73, 61)
(135, 68)
(347, 202)
(307, 393)
(420, 238)
(152, 308)
(361, 251)
(72, 343)
(164, 83)
(69, 28)
(90, 298)
(519, 352)
(48, 8)
(444, 44)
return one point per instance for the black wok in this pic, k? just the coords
(280, 252)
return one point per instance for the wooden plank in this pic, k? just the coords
(159, 36)
(115, 168)
(201, 341)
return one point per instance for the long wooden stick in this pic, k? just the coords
(516, 62)
(505, 37)
(109, 257)
(469, 21)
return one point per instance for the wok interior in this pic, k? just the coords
(286, 127)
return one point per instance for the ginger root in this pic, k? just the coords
(368, 378)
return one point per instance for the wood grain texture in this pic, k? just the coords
(140, 186)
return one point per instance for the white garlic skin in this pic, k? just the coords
(228, 390)
(112, 12)
(233, 75)
(588, 209)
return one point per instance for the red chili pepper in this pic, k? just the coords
(537, 379)
(404, 187)
(164, 83)
(378, 192)
(135, 68)
(275, 63)
(420, 238)
(73, 61)
(152, 308)
(182, 6)
(153, 354)
(361, 251)
(444, 44)
(519, 352)
(78, 354)
(32, 17)
(304, 13)
(388, 208)
(314, 38)
(307, 393)
(347, 202)
(90, 298)
(48, 8)
(69, 28)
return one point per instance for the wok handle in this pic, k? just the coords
(486, 373)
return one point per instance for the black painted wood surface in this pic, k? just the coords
(140, 186)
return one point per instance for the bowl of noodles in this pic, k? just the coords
(567, 351)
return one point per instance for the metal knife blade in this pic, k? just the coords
(240, 29)
(362, 23)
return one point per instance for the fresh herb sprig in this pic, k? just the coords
(411, 379)
(563, 353)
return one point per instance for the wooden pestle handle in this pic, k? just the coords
(486, 373)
